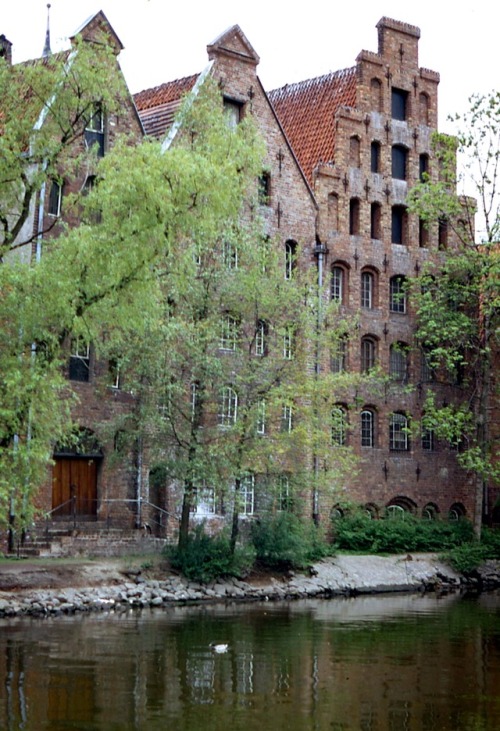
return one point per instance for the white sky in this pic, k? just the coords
(167, 40)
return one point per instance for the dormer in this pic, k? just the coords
(233, 44)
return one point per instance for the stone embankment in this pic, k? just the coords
(338, 576)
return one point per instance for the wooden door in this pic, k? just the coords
(74, 477)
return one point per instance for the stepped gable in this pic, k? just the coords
(307, 112)
(158, 106)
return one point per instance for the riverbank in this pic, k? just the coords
(50, 588)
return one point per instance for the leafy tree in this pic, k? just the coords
(458, 296)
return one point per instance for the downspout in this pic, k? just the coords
(320, 254)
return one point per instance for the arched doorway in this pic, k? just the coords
(74, 476)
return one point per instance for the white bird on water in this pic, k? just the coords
(219, 647)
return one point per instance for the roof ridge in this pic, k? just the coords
(297, 85)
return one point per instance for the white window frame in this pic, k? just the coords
(367, 428)
(339, 426)
(228, 407)
(287, 418)
(367, 285)
(261, 418)
(247, 495)
(229, 333)
(398, 433)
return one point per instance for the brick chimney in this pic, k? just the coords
(6, 49)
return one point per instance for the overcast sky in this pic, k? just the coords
(295, 41)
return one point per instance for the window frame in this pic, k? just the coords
(229, 334)
(227, 407)
(399, 104)
(367, 289)
(368, 353)
(399, 440)
(399, 362)
(399, 162)
(398, 301)
(290, 258)
(339, 426)
(368, 428)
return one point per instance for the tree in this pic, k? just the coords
(457, 296)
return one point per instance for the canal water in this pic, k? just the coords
(386, 663)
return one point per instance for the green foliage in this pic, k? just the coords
(359, 533)
(465, 558)
(206, 558)
(284, 541)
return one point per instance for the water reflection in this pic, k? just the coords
(389, 663)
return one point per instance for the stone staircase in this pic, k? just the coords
(88, 538)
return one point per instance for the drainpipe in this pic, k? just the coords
(320, 254)
(138, 485)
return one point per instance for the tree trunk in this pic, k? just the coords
(235, 525)
(187, 502)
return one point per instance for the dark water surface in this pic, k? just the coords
(389, 663)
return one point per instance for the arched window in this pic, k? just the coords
(261, 332)
(354, 151)
(398, 433)
(368, 425)
(399, 162)
(338, 360)
(443, 233)
(333, 211)
(228, 407)
(375, 157)
(290, 258)
(367, 289)
(423, 108)
(339, 425)
(456, 511)
(338, 283)
(398, 362)
(354, 216)
(423, 167)
(376, 95)
(376, 221)
(229, 334)
(368, 353)
(399, 225)
(430, 511)
(397, 294)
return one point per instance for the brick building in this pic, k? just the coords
(342, 151)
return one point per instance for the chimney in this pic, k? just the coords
(6, 50)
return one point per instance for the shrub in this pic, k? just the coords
(468, 556)
(357, 532)
(284, 541)
(207, 558)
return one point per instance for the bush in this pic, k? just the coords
(283, 541)
(467, 557)
(359, 533)
(207, 558)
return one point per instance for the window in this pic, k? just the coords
(427, 373)
(376, 95)
(230, 255)
(398, 362)
(338, 284)
(399, 162)
(286, 419)
(339, 426)
(229, 333)
(205, 503)
(284, 497)
(114, 373)
(443, 233)
(261, 418)
(333, 211)
(423, 108)
(233, 112)
(375, 157)
(265, 189)
(79, 361)
(288, 344)
(368, 354)
(399, 104)
(94, 130)
(367, 428)
(427, 440)
(228, 407)
(423, 233)
(354, 211)
(55, 198)
(261, 332)
(354, 152)
(195, 402)
(423, 168)
(338, 360)
(247, 495)
(397, 294)
(367, 290)
(290, 258)
(398, 433)
(399, 225)
(376, 221)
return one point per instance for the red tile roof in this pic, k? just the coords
(307, 111)
(157, 106)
